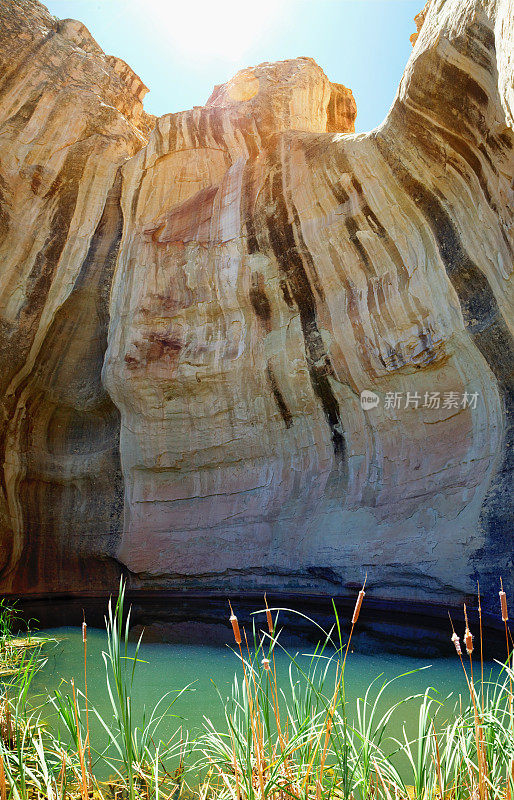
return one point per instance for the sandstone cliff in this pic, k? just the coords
(258, 266)
(69, 116)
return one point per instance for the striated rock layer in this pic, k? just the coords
(258, 265)
(69, 116)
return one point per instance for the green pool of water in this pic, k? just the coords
(209, 670)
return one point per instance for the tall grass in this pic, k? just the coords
(295, 731)
(303, 736)
(132, 738)
(12, 643)
(36, 762)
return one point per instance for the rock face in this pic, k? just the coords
(258, 266)
(69, 116)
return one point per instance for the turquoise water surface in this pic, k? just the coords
(210, 672)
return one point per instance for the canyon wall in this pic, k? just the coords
(69, 117)
(240, 274)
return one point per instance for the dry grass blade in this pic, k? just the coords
(3, 782)
(84, 786)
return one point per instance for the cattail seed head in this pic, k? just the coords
(358, 605)
(468, 638)
(270, 620)
(456, 642)
(503, 602)
(235, 626)
(265, 664)
(268, 616)
(84, 632)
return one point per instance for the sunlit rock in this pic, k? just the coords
(69, 116)
(272, 266)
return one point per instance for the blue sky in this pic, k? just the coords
(182, 48)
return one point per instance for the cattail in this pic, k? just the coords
(503, 602)
(235, 626)
(84, 632)
(265, 664)
(468, 638)
(268, 616)
(456, 642)
(358, 605)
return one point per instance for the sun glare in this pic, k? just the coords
(220, 29)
